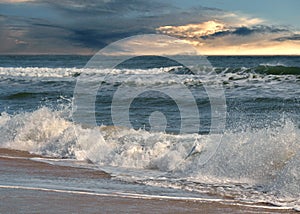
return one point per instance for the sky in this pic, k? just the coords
(213, 27)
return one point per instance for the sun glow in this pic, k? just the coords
(193, 30)
(228, 42)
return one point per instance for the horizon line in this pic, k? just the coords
(70, 54)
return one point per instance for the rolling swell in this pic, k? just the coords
(262, 69)
(277, 70)
(24, 95)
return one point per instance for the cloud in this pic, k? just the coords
(150, 44)
(16, 1)
(76, 26)
(192, 30)
(239, 20)
(81, 24)
(102, 8)
(294, 37)
(23, 36)
(247, 31)
(236, 35)
(212, 28)
(89, 24)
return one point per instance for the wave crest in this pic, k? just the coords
(267, 159)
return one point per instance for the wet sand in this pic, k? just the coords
(23, 164)
(26, 200)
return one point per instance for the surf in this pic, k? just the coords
(267, 157)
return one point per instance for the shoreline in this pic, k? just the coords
(27, 199)
(16, 200)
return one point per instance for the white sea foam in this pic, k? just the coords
(228, 77)
(44, 72)
(253, 165)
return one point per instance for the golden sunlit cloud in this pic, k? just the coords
(193, 30)
(211, 31)
(246, 37)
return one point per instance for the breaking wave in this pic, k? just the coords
(44, 72)
(251, 165)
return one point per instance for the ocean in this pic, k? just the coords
(226, 130)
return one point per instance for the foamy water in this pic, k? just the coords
(245, 166)
(256, 161)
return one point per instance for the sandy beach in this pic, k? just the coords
(24, 199)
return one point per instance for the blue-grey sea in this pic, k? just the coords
(222, 128)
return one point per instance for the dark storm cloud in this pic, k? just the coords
(110, 7)
(68, 26)
(295, 37)
(92, 23)
(247, 31)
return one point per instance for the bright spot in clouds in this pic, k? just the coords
(236, 35)
(84, 27)
(193, 30)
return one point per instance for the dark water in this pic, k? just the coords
(265, 86)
